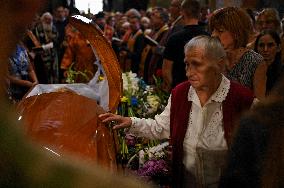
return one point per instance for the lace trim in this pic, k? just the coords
(222, 91)
(190, 125)
(220, 94)
(214, 128)
(211, 135)
(190, 94)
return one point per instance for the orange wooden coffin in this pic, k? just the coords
(65, 122)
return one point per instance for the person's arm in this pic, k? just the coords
(167, 74)
(32, 75)
(157, 128)
(259, 81)
(19, 82)
(121, 122)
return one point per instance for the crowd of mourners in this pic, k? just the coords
(151, 43)
(232, 58)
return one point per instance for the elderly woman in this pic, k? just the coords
(199, 117)
(233, 27)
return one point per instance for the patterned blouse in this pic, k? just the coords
(243, 72)
(18, 67)
(19, 62)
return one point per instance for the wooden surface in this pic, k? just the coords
(66, 122)
(107, 58)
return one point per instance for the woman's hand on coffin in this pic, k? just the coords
(118, 121)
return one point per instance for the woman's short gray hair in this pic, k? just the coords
(213, 49)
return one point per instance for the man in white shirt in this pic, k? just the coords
(194, 119)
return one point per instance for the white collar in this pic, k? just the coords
(218, 96)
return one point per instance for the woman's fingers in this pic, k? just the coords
(108, 117)
(125, 123)
(120, 122)
(105, 116)
(119, 126)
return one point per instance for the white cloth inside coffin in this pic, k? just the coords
(80, 89)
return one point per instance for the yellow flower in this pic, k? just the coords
(124, 99)
(101, 78)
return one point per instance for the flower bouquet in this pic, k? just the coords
(144, 100)
(153, 164)
(139, 100)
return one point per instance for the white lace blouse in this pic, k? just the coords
(205, 127)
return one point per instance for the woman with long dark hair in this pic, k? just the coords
(268, 44)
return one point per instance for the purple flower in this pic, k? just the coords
(150, 163)
(130, 140)
(154, 168)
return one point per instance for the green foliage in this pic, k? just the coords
(73, 75)
(143, 101)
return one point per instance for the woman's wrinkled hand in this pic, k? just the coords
(120, 121)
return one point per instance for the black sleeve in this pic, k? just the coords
(135, 56)
(138, 48)
(170, 49)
